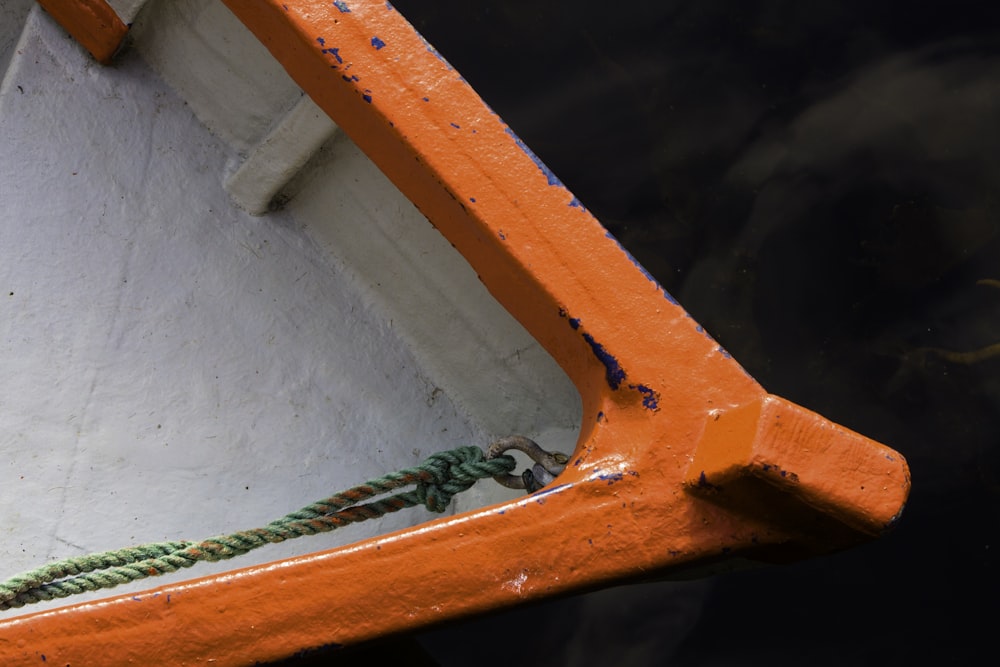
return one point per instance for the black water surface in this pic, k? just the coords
(817, 183)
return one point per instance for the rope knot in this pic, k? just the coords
(455, 471)
(437, 479)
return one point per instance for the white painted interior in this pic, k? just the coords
(272, 163)
(127, 10)
(174, 367)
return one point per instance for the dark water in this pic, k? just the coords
(818, 183)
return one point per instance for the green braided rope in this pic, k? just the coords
(437, 479)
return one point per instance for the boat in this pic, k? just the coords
(269, 251)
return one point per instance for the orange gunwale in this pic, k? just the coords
(683, 459)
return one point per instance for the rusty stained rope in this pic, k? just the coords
(437, 480)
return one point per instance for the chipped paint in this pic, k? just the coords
(434, 52)
(549, 175)
(335, 52)
(650, 398)
(342, 6)
(613, 372)
(649, 276)
(377, 43)
(617, 476)
(703, 483)
(891, 523)
(515, 585)
(766, 467)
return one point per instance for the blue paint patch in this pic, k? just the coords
(333, 52)
(650, 398)
(377, 43)
(612, 477)
(613, 372)
(503, 237)
(427, 99)
(342, 6)
(322, 42)
(434, 52)
(472, 199)
(285, 7)
(721, 350)
(669, 297)
(552, 178)
(703, 482)
(456, 126)
(353, 77)
(574, 322)
(600, 416)
(367, 97)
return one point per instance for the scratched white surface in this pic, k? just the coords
(175, 368)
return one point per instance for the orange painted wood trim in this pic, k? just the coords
(683, 459)
(92, 23)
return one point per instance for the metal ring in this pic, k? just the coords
(548, 464)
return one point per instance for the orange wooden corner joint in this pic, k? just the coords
(92, 23)
(683, 460)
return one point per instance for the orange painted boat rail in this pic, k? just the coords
(683, 460)
(93, 23)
